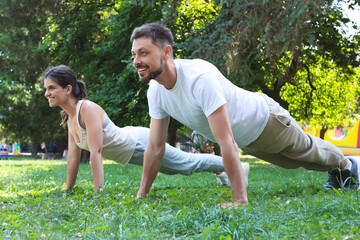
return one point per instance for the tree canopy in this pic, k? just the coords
(294, 51)
(24, 110)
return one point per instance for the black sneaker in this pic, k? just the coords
(333, 180)
(350, 178)
(345, 178)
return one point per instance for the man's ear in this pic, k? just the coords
(167, 52)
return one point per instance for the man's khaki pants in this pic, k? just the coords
(285, 144)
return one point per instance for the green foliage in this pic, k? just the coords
(105, 48)
(98, 49)
(291, 205)
(118, 89)
(269, 46)
(189, 16)
(26, 114)
(260, 45)
(124, 104)
(21, 64)
(323, 97)
(21, 30)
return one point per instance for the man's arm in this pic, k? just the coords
(73, 161)
(154, 153)
(220, 126)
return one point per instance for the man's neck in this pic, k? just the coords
(169, 75)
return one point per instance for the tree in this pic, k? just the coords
(21, 30)
(102, 42)
(183, 18)
(25, 116)
(93, 38)
(326, 95)
(266, 45)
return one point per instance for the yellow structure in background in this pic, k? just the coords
(16, 149)
(346, 139)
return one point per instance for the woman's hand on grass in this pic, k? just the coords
(99, 190)
(231, 204)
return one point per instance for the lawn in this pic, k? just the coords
(283, 204)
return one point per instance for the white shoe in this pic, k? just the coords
(223, 178)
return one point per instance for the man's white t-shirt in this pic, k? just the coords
(200, 89)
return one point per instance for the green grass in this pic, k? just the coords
(283, 204)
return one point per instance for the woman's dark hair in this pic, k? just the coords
(160, 35)
(64, 76)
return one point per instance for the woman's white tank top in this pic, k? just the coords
(118, 143)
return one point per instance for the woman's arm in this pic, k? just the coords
(73, 161)
(92, 116)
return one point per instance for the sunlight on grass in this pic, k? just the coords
(31, 162)
(255, 162)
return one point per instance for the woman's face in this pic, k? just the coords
(55, 94)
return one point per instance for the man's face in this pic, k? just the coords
(147, 58)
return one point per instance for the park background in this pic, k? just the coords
(301, 53)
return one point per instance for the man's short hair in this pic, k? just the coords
(160, 35)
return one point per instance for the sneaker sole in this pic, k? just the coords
(246, 169)
(358, 170)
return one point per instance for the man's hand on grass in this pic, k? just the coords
(140, 195)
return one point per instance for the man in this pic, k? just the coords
(196, 94)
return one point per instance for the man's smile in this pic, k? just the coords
(141, 68)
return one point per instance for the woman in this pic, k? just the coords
(90, 128)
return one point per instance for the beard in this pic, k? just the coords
(153, 74)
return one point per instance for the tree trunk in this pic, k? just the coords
(322, 132)
(171, 139)
(62, 145)
(34, 147)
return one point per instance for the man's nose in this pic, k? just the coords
(136, 61)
